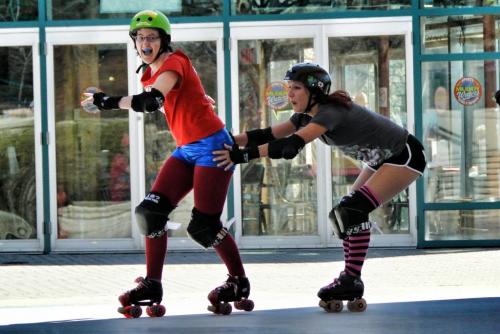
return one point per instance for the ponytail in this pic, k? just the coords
(339, 97)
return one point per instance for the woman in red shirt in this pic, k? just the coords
(172, 86)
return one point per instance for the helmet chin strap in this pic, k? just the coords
(310, 104)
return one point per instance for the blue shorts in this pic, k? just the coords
(199, 153)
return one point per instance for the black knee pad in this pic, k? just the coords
(350, 216)
(206, 229)
(152, 215)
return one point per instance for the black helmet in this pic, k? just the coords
(313, 76)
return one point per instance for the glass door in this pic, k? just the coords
(90, 154)
(372, 61)
(106, 162)
(21, 216)
(277, 200)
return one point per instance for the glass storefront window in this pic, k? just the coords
(278, 196)
(461, 124)
(259, 7)
(459, 34)
(14, 11)
(158, 141)
(372, 69)
(457, 3)
(17, 144)
(92, 150)
(462, 225)
(105, 9)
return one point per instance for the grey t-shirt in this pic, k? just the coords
(358, 132)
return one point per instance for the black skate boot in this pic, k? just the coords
(147, 293)
(235, 289)
(345, 287)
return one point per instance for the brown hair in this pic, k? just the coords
(338, 97)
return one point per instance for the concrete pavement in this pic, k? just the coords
(407, 290)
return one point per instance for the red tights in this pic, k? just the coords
(175, 180)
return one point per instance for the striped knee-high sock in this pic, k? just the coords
(345, 244)
(358, 248)
(358, 243)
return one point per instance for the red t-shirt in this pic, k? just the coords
(187, 110)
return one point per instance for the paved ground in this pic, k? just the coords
(407, 290)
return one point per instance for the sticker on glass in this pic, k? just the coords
(277, 95)
(467, 91)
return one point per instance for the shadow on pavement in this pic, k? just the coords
(210, 257)
(445, 316)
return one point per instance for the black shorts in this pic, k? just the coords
(412, 157)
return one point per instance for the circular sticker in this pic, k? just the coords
(277, 95)
(467, 91)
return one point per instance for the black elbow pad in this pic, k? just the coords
(287, 147)
(148, 101)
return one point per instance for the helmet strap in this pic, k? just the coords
(141, 66)
(310, 104)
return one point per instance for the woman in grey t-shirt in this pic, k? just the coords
(393, 159)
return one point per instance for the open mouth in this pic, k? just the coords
(147, 51)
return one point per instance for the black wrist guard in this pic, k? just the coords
(259, 136)
(104, 102)
(244, 155)
(287, 147)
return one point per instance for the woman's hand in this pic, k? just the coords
(211, 101)
(88, 99)
(223, 157)
(233, 155)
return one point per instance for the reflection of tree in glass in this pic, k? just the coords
(26, 10)
(17, 162)
(250, 118)
(92, 9)
(17, 190)
(21, 73)
(16, 78)
(204, 58)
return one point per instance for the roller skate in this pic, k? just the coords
(147, 293)
(345, 287)
(235, 289)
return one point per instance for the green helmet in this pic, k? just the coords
(150, 19)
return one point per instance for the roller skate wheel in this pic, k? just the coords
(245, 304)
(130, 311)
(357, 305)
(225, 308)
(155, 311)
(222, 308)
(332, 306)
